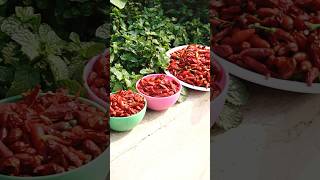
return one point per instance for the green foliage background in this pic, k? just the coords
(48, 42)
(144, 30)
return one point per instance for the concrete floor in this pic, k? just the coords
(278, 140)
(169, 145)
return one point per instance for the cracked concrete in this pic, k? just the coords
(169, 145)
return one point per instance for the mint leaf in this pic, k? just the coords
(46, 34)
(73, 86)
(92, 49)
(119, 3)
(146, 71)
(76, 68)
(9, 54)
(6, 74)
(25, 78)
(74, 37)
(29, 42)
(117, 73)
(27, 16)
(103, 31)
(24, 13)
(52, 42)
(58, 67)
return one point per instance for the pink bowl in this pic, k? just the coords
(217, 104)
(86, 73)
(160, 103)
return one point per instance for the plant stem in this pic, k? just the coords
(258, 26)
(312, 26)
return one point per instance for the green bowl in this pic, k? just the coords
(96, 169)
(127, 123)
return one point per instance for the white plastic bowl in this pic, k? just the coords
(287, 85)
(168, 53)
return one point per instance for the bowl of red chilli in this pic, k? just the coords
(177, 75)
(97, 168)
(95, 78)
(219, 90)
(128, 121)
(160, 103)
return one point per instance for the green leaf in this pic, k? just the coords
(103, 31)
(237, 93)
(9, 52)
(128, 82)
(73, 86)
(117, 73)
(116, 87)
(58, 68)
(74, 37)
(46, 34)
(52, 42)
(119, 3)
(25, 78)
(24, 12)
(6, 74)
(146, 71)
(29, 42)
(230, 117)
(76, 68)
(183, 95)
(27, 16)
(93, 49)
(2, 2)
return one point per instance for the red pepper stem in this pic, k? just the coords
(259, 26)
(312, 26)
(221, 20)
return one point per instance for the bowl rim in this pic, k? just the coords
(151, 97)
(271, 82)
(133, 115)
(87, 101)
(221, 98)
(225, 80)
(86, 72)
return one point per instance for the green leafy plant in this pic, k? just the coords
(65, 16)
(141, 35)
(37, 55)
(187, 10)
(140, 38)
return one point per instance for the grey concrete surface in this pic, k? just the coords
(278, 140)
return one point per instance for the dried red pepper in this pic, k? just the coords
(125, 103)
(191, 65)
(42, 138)
(287, 31)
(158, 86)
(98, 79)
(215, 89)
